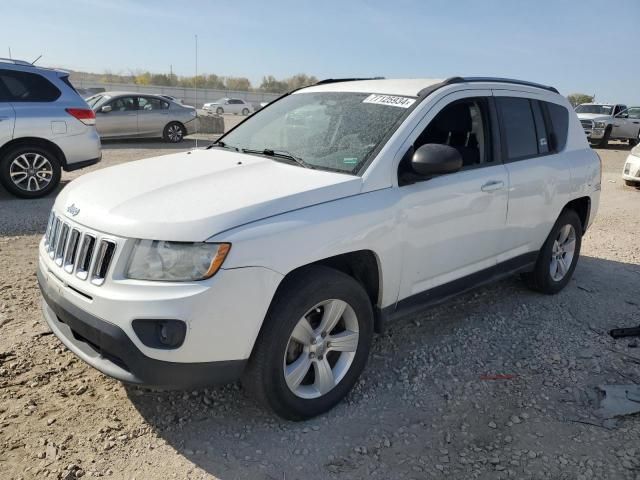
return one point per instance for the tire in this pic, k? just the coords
(41, 169)
(174, 132)
(542, 279)
(308, 296)
(245, 111)
(631, 183)
(219, 110)
(604, 141)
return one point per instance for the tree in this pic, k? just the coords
(237, 83)
(271, 85)
(576, 99)
(300, 80)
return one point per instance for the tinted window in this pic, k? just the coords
(235, 101)
(518, 127)
(148, 104)
(541, 129)
(123, 104)
(559, 117)
(28, 87)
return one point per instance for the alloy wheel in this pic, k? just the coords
(321, 349)
(174, 132)
(31, 172)
(562, 252)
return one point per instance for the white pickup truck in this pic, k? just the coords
(603, 122)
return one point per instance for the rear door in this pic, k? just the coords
(539, 179)
(153, 115)
(7, 116)
(121, 120)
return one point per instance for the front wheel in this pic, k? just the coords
(220, 110)
(29, 172)
(313, 345)
(631, 183)
(604, 142)
(174, 132)
(558, 256)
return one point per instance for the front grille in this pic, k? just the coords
(84, 254)
(587, 123)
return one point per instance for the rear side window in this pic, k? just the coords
(559, 119)
(518, 127)
(28, 87)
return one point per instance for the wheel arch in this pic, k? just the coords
(582, 206)
(38, 142)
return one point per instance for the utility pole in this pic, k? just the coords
(10, 53)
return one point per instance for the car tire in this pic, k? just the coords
(219, 110)
(558, 256)
(41, 169)
(631, 183)
(174, 132)
(308, 299)
(604, 141)
(245, 111)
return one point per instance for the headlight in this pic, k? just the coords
(175, 261)
(600, 124)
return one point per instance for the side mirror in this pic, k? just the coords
(106, 109)
(436, 159)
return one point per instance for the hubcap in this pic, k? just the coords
(175, 133)
(31, 172)
(321, 349)
(562, 253)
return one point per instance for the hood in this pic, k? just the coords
(593, 116)
(194, 195)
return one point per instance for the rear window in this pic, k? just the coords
(518, 126)
(559, 117)
(28, 87)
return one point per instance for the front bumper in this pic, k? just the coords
(594, 133)
(107, 348)
(631, 169)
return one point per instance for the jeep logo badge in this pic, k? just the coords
(73, 210)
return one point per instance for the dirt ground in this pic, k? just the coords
(429, 404)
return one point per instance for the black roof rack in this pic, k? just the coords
(510, 80)
(337, 80)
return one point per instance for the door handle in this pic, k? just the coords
(492, 186)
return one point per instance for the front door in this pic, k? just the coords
(7, 121)
(452, 224)
(121, 120)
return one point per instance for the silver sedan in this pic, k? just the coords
(135, 115)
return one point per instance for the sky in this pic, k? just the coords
(576, 46)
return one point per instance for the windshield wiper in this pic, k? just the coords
(279, 154)
(222, 145)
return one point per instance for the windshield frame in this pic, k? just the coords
(364, 164)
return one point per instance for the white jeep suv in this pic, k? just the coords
(274, 254)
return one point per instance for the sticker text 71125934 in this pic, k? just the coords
(391, 100)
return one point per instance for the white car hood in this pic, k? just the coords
(194, 195)
(593, 116)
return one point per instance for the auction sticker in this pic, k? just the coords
(391, 100)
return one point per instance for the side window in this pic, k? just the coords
(464, 125)
(634, 112)
(518, 126)
(150, 103)
(28, 87)
(619, 109)
(123, 104)
(559, 125)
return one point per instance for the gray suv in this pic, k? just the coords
(45, 127)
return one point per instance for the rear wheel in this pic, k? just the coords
(313, 345)
(174, 132)
(29, 172)
(245, 111)
(559, 255)
(631, 183)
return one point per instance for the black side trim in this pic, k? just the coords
(439, 294)
(338, 80)
(70, 167)
(106, 347)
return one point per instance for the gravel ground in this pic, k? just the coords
(429, 404)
